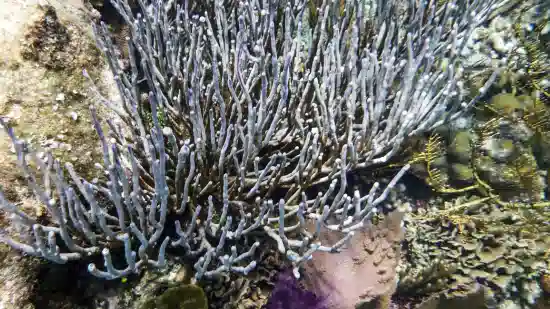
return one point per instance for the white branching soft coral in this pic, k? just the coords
(229, 122)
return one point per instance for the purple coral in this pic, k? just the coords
(288, 294)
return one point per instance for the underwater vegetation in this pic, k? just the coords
(259, 106)
(493, 229)
(536, 55)
(488, 227)
(505, 144)
(240, 128)
(470, 242)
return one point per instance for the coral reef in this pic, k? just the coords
(180, 297)
(364, 270)
(251, 108)
(501, 155)
(240, 132)
(493, 228)
(288, 293)
(252, 291)
(473, 300)
(452, 248)
(40, 103)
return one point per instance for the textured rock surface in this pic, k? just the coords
(458, 245)
(45, 46)
(364, 270)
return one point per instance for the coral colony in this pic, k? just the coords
(230, 113)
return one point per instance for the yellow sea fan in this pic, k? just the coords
(433, 150)
(536, 60)
(538, 119)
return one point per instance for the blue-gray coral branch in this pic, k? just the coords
(226, 104)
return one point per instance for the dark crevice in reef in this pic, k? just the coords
(116, 23)
(67, 286)
(108, 13)
(416, 188)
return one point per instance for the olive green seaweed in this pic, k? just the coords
(179, 297)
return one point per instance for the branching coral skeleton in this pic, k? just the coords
(255, 97)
